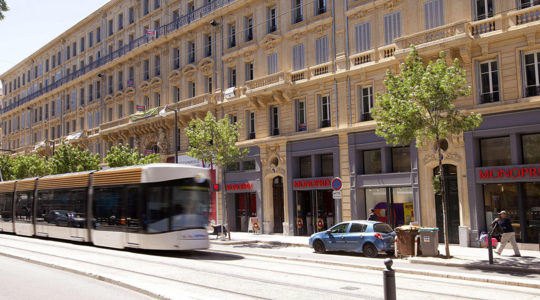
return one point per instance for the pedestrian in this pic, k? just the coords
(372, 215)
(508, 234)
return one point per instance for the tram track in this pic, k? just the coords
(241, 277)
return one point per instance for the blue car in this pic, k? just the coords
(368, 237)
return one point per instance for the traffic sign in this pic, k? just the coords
(337, 184)
(337, 195)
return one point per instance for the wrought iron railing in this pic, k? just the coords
(195, 15)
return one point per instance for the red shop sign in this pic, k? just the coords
(239, 186)
(508, 173)
(312, 183)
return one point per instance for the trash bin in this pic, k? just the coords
(429, 238)
(405, 239)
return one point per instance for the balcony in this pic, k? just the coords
(299, 75)
(322, 69)
(432, 35)
(185, 20)
(116, 123)
(387, 51)
(489, 98)
(362, 58)
(277, 79)
(193, 102)
(326, 123)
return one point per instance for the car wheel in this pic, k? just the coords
(319, 247)
(370, 251)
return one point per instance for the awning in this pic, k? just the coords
(229, 93)
(39, 145)
(74, 136)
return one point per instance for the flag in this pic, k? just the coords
(130, 83)
(150, 33)
(141, 107)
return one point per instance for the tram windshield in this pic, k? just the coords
(178, 205)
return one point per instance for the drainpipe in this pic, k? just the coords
(222, 72)
(347, 62)
(349, 96)
(334, 59)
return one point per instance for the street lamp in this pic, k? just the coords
(163, 113)
(53, 144)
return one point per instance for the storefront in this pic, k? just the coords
(244, 191)
(503, 173)
(313, 165)
(384, 178)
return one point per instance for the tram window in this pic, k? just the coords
(108, 209)
(189, 207)
(6, 207)
(132, 209)
(23, 207)
(157, 209)
(66, 207)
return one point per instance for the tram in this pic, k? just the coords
(157, 206)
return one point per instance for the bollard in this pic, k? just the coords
(389, 280)
(490, 248)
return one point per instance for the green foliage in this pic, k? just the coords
(68, 159)
(418, 105)
(26, 166)
(215, 141)
(7, 166)
(436, 184)
(122, 156)
(3, 8)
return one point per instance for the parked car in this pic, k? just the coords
(368, 237)
(52, 215)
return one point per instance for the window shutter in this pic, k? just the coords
(40, 69)
(90, 121)
(319, 110)
(58, 106)
(478, 81)
(98, 118)
(324, 44)
(362, 34)
(523, 74)
(317, 51)
(28, 119)
(73, 99)
(22, 120)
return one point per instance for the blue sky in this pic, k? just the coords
(31, 24)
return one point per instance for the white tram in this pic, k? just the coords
(157, 206)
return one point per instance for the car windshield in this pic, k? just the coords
(382, 228)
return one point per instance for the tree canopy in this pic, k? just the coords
(122, 156)
(68, 158)
(3, 8)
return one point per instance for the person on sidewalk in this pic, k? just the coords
(372, 215)
(508, 234)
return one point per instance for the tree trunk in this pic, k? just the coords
(224, 189)
(443, 195)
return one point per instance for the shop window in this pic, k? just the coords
(327, 165)
(531, 144)
(248, 165)
(401, 159)
(372, 162)
(305, 167)
(398, 204)
(532, 212)
(495, 152)
(234, 167)
(498, 197)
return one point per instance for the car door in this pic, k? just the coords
(334, 238)
(355, 237)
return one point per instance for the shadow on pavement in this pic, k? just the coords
(528, 266)
(188, 254)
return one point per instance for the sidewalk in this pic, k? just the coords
(462, 257)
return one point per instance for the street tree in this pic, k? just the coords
(3, 8)
(26, 166)
(68, 158)
(418, 106)
(214, 142)
(7, 167)
(123, 156)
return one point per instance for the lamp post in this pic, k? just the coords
(53, 144)
(163, 113)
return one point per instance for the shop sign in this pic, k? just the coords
(312, 183)
(240, 186)
(299, 222)
(254, 224)
(148, 152)
(320, 223)
(512, 173)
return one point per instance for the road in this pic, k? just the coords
(213, 275)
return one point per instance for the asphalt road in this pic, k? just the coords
(20, 280)
(212, 275)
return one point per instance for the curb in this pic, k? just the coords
(397, 270)
(227, 243)
(471, 266)
(89, 275)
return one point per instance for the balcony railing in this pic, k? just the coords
(366, 117)
(197, 14)
(531, 91)
(488, 98)
(252, 136)
(277, 78)
(275, 131)
(325, 123)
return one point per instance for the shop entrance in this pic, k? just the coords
(452, 204)
(279, 210)
(393, 205)
(246, 207)
(315, 211)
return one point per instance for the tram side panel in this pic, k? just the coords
(6, 212)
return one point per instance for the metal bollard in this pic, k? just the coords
(490, 249)
(389, 280)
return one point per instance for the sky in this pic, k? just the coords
(31, 24)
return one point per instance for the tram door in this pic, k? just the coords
(132, 216)
(77, 216)
(314, 211)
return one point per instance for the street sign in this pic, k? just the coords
(337, 184)
(337, 195)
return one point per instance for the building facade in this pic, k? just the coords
(301, 76)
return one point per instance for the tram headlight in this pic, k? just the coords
(199, 178)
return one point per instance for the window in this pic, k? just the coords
(372, 161)
(305, 167)
(131, 108)
(531, 78)
(67, 128)
(157, 99)
(191, 52)
(320, 7)
(74, 123)
(401, 159)
(362, 34)
(191, 89)
(90, 121)
(156, 4)
(433, 13)
(207, 45)
(90, 92)
(176, 58)
(392, 27)
(46, 70)
(74, 48)
(110, 85)
(327, 165)
(82, 44)
(324, 111)
(68, 52)
(526, 3)
(131, 15)
(495, 152)
(249, 71)
(232, 77)
(232, 35)
(250, 116)
(530, 145)
(301, 123)
(321, 50)
(120, 22)
(157, 65)
(208, 84)
(365, 99)
(271, 19)
(248, 26)
(146, 7)
(233, 167)
(274, 120)
(98, 35)
(110, 114)
(67, 102)
(146, 66)
(483, 9)
(297, 14)
(52, 109)
(176, 15)
(120, 111)
(488, 81)
(190, 7)
(156, 24)
(110, 27)
(248, 165)
(272, 61)
(98, 89)
(40, 70)
(176, 94)
(298, 57)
